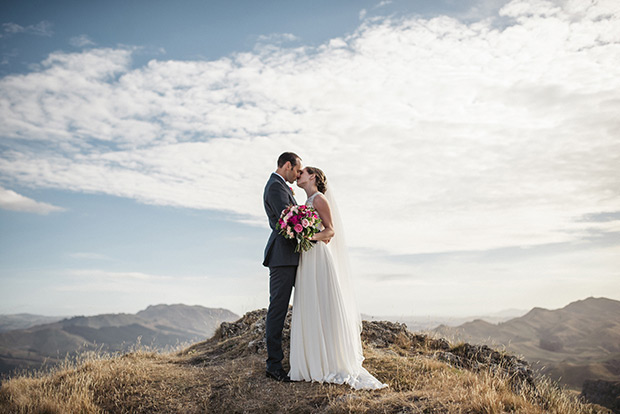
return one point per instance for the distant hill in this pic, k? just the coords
(24, 321)
(418, 323)
(576, 343)
(158, 326)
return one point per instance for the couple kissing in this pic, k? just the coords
(326, 324)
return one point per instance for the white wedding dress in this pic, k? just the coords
(326, 326)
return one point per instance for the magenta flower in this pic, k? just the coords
(299, 223)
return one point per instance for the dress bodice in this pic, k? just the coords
(309, 203)
(310, 199)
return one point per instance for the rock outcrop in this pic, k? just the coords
(247, 336)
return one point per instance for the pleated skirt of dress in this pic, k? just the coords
(325, 343)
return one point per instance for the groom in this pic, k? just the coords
(281, 259)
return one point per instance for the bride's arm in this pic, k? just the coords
(322, 207)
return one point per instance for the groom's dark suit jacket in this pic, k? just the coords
(279, 251)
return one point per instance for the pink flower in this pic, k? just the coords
(298, 228)
(305, 223)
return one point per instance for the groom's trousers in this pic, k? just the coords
(281, 282)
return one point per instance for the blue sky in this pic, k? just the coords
(473, 147)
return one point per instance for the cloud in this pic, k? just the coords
(43, 28)
(277, 38)
(482, 9)
(10, 200)
(98, 280)
(102, 290)
(89, 256)
(81, 41)
(475, 282)
(437, 135)
(108, 275)
(7, 56)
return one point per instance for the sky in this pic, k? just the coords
(473, 148)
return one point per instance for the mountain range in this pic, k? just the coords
(25, 321)
(571, 345)
(418, 323)
(159, 327)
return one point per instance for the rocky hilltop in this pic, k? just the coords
(225, 374)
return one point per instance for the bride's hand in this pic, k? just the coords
(314, 238)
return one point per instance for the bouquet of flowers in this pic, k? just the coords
(299, 223)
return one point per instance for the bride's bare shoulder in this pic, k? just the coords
(321, 199)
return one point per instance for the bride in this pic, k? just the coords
(326, 325)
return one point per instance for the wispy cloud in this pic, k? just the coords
(142, 289)
(81, 41)
(278, 38)
(482, 9)
(438, 135)
(104, 274)
(43, 28)
(10, 200)
(383, 3)
(105, 281)
(470, 282)
(88, 256)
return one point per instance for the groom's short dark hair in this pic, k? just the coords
(288, 157)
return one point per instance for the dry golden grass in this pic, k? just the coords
(140, 382)
(422, 384)
(223, 376)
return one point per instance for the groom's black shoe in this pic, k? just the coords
(278, 375)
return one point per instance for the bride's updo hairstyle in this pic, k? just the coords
(321, 181)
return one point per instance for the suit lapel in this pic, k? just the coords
(288, 188)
